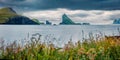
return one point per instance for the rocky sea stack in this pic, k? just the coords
(116, 21)
(67, 21)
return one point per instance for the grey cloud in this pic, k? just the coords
(80, 15)
(113, 17)
(102, 16)
(99, 13)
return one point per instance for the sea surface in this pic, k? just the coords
(58, 35)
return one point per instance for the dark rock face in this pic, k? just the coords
(66, 20)
(116, 21)
(48, 23)
(20, 20)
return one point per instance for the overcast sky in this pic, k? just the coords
(93, 11)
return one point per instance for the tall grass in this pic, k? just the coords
(91, 49)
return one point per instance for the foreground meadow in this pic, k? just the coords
(107, 48)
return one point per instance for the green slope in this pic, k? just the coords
(6, 13)
(37, 21)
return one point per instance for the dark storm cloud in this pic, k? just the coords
(68, 4)
(11, 0)
(17, 3)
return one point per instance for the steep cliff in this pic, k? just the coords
(66, 20)
(116, 21)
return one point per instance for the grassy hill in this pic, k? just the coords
(6, 13)
(9, 16)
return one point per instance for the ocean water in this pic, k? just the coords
(58, 35)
